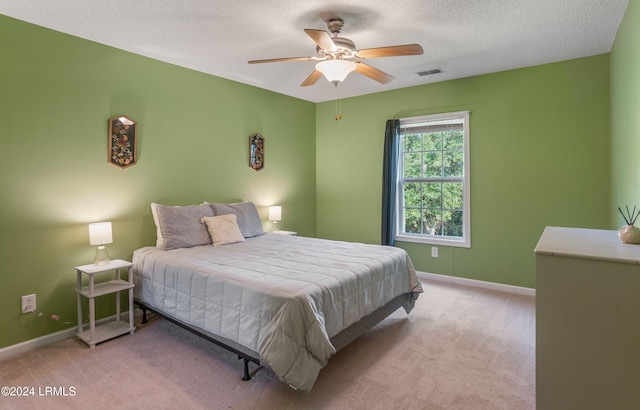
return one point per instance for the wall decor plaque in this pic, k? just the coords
(256, 152)
(122, 141)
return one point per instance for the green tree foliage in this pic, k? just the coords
(433, 166)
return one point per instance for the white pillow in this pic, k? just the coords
(223, 229)
(159, 237)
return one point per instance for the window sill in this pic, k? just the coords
(460, 243)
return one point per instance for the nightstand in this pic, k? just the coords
(96, 334)
(290, 233)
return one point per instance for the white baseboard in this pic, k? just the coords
(45, 340)
(42, 341)
(477, 283)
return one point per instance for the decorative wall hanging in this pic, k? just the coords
(256, 152)
(122, 141)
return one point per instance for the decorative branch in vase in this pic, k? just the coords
(629, 233)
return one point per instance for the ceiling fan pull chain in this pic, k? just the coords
(338, 104)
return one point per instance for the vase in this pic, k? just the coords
(629, 234)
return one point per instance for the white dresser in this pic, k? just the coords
(587, 320)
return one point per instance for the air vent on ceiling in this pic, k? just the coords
(430, 72)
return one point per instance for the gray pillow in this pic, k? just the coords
(246, 214)
(180, 226)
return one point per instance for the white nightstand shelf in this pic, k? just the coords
(105, 332)
(105, 288)
(95, 334)
(291, 233)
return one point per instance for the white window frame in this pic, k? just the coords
(465, 240)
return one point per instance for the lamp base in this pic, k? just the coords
(275, 227)
(102, 256)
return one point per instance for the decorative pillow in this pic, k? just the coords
(223, 229)
(247, 216)
(180, 227)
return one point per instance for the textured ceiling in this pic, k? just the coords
(462, 37)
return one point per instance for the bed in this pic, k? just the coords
(286, 302)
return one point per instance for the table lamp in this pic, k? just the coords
(275, 215)
(100, 234)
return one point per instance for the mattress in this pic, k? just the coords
(281, 296)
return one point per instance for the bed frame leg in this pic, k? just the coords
(144, 316)
(246, 375)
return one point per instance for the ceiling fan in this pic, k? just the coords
(338, 56)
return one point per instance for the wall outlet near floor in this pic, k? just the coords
(29, 303)
(434, 251)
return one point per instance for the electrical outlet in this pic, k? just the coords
(29, 303)
(434, 251)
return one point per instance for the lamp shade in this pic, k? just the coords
(275, 213)
(336, 70)
(100, 233)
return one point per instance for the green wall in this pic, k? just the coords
(56, 96)
(625, 114)
(539, 156)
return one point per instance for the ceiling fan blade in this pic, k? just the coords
(276, 60)
(322, 39)
(312, 79)
(373, 73)
(391, 51)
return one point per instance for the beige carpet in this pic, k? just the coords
(461, 348)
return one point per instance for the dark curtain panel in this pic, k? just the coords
(389, 180)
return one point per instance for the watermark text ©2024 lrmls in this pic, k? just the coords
(40, 391)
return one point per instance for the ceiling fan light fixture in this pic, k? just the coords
(336, 71)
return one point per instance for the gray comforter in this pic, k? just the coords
(281, 296)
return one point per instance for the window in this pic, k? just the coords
(432, 204)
